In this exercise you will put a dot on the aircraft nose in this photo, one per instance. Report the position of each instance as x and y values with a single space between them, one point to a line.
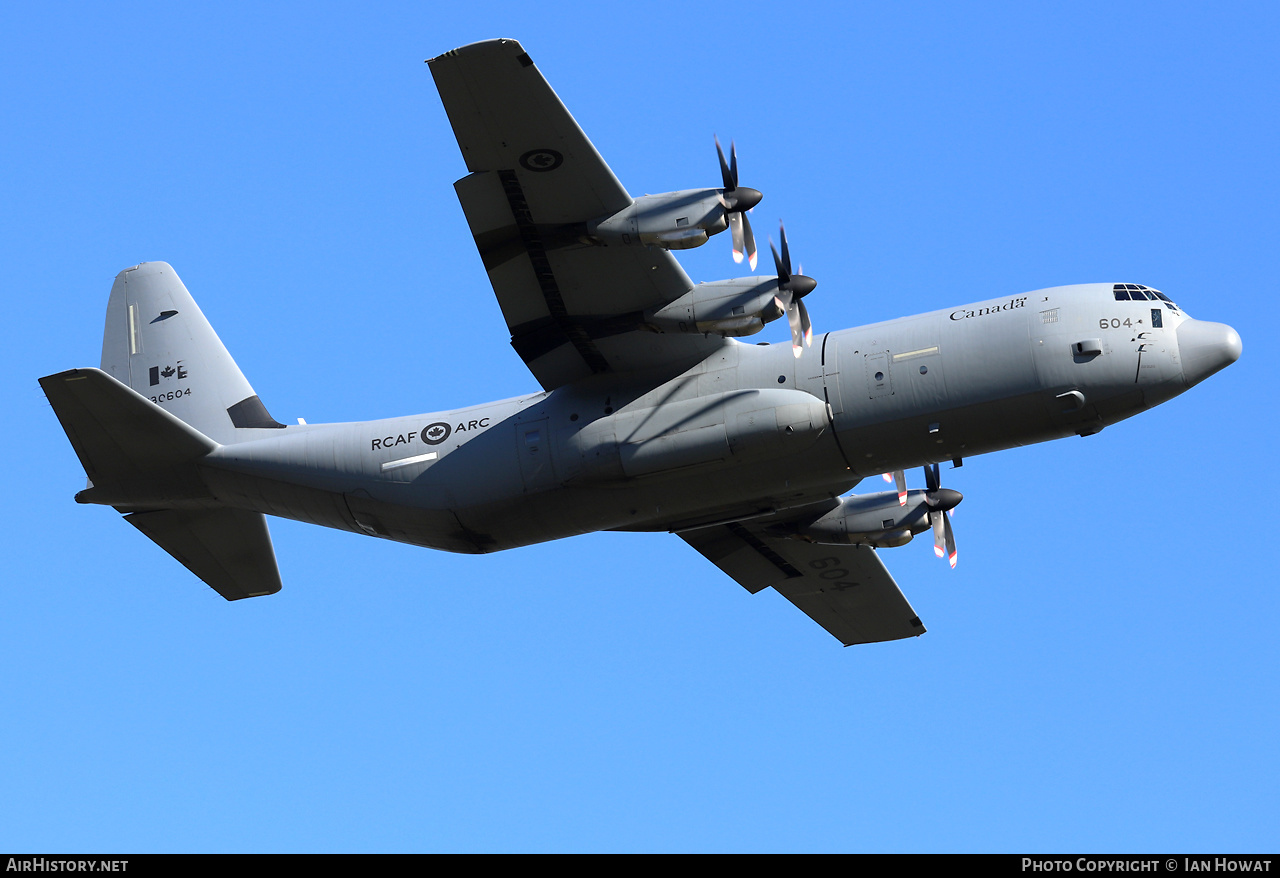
1206 348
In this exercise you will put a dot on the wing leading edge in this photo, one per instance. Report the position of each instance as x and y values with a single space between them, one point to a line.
845 589
574 307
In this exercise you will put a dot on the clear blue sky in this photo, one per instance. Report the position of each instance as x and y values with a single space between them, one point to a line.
1100 672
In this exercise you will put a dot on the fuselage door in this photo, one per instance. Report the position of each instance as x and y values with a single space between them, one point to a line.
878 380
831 375
533 446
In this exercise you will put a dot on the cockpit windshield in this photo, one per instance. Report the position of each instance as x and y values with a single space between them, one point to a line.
1139 293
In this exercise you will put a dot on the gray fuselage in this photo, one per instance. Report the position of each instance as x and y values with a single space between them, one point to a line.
747 432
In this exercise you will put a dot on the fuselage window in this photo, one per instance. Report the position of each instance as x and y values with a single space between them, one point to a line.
1157 318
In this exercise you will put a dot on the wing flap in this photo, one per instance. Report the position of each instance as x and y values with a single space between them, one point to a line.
845 589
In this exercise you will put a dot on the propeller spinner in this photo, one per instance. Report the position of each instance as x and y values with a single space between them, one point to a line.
737 200
791 289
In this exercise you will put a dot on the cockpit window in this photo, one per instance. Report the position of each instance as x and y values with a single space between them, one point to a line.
1139 293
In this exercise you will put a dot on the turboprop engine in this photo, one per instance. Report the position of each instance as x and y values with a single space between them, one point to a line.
880 519
742 306
671 220
737 307
685 219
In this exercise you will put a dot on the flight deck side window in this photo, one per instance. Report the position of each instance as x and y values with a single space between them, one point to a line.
1121 294
1157 318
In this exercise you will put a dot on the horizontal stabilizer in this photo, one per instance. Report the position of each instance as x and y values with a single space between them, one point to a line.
131 448
229 549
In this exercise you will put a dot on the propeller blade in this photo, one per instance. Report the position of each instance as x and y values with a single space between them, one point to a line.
941 501
730 180
887 477
931 480
901 478
736 222
797 326
750 240
951 540
784 275
790 289
736 201
786 254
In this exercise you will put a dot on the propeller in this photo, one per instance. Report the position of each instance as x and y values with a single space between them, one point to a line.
940 500
901 478
791 289
737 200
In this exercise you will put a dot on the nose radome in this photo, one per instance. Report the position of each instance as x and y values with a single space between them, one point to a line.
1206 348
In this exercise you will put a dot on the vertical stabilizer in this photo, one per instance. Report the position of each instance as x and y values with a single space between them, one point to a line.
159 343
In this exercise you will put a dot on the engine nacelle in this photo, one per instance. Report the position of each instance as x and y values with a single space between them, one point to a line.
875 519
735 426
737 307
672 220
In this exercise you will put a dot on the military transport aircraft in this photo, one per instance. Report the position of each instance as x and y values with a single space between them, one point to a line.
652 416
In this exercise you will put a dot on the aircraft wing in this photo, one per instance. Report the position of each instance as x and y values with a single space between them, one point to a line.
573 308
845 589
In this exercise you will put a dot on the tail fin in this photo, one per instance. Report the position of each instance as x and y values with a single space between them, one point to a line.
143 461
159 343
